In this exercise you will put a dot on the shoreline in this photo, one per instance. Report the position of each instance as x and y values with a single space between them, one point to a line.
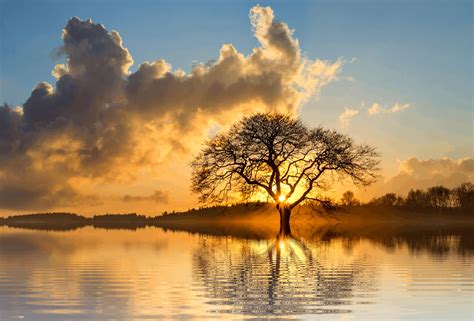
255 220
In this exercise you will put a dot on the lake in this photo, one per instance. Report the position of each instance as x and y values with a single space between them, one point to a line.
153 274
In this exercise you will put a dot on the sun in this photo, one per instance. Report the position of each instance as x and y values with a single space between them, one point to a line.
282 198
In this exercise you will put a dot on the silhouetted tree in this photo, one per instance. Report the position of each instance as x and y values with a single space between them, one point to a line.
463 196
278 155
438 196
416 199
389 199
348 199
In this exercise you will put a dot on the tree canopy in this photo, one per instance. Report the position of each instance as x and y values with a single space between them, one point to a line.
280 156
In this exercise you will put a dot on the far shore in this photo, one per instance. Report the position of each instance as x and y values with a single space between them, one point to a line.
254 220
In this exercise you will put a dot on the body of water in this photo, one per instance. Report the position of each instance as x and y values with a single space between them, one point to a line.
152 274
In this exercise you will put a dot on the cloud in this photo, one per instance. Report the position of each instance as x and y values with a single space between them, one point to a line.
157 197
416 173
376 108
347 115
443 171
100 123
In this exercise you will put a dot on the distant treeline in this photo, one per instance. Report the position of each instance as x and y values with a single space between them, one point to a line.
439 198
216 209
70 221
436 197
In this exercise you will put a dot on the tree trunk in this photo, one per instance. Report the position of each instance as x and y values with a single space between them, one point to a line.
285 213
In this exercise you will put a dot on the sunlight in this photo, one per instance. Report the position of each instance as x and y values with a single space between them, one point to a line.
281 244
236 173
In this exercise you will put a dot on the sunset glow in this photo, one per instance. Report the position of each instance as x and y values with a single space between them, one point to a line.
149 110
229 160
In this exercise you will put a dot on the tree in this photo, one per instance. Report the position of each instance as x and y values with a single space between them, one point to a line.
279 156
463 196
348 199
416 199
389 199
438 196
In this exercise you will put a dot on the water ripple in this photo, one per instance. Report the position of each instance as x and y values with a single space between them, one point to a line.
94 275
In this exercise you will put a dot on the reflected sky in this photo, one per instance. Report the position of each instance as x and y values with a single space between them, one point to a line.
96 274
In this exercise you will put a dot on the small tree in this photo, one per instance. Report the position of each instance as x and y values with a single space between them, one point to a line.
416 199
438 196
388 200
348 199
463 196
278 155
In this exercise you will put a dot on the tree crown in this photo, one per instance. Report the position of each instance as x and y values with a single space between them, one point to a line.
277 154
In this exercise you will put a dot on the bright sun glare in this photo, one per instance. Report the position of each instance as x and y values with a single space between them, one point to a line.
282 198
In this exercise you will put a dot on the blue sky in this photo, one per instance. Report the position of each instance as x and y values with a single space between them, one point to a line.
415 52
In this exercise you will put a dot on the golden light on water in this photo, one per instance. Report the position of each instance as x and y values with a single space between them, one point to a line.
143 273
281 244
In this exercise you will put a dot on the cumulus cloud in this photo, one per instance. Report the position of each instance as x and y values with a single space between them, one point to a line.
157 197
416 173
101 123
347 115
377 108
425 173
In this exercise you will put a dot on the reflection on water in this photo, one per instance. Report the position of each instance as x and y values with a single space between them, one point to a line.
331 274
283 277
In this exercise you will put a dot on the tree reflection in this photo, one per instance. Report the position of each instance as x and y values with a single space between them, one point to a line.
283 276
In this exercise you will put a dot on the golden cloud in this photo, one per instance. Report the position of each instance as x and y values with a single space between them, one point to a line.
102 123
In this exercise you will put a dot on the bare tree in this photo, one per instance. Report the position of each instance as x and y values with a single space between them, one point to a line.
278 155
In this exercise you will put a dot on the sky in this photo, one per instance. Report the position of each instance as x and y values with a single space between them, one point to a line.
393 74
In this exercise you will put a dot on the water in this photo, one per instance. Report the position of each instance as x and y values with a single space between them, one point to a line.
150 274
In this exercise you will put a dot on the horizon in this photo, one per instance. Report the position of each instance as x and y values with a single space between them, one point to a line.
429 200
